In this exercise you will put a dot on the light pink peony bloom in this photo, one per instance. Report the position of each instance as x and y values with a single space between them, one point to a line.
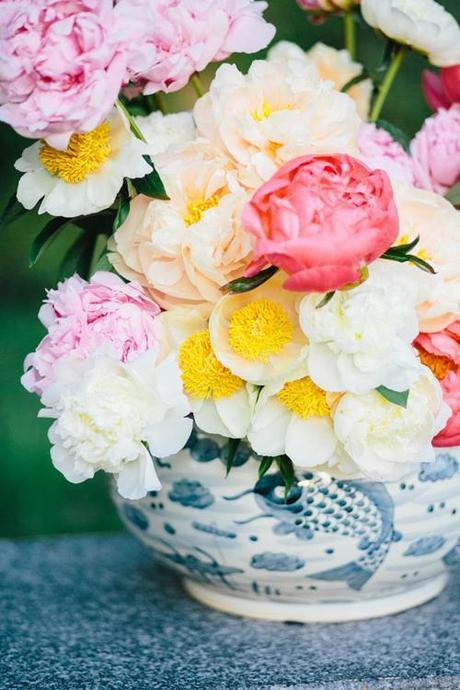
436 151
442 90
60 66
441 352
82 316
380 151
171 39
322 219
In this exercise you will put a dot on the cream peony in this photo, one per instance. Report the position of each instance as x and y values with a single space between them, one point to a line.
221 402
332 65
424 25
362 338
164 131
85 178
256 335
273 114
384 440
185 249
437 222
111 415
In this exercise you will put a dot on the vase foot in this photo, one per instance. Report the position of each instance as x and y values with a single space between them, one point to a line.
333 612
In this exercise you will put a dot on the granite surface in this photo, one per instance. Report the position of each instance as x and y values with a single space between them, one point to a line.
95 613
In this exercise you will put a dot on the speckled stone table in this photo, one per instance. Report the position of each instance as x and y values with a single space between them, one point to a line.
95 613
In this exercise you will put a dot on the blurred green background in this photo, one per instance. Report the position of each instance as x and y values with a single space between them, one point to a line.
34 498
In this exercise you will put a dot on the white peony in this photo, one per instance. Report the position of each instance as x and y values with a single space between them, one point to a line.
331 64
164 131
421 24
362 338
85 178
273 114
385 440
110 416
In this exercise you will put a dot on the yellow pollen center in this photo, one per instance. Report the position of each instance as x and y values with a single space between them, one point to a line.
304 398
262 111
440 366
203 375
259 330
84 155
197 208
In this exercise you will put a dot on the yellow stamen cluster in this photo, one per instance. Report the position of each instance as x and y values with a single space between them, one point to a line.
259 330
203 375
304 398
84 155
197 208
440 366
262 111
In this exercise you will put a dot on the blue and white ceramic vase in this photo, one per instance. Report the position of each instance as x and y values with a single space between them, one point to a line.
338 550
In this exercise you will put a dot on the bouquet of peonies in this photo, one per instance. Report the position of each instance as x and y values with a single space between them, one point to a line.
278 265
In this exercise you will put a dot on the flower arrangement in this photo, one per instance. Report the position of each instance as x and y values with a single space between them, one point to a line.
280 265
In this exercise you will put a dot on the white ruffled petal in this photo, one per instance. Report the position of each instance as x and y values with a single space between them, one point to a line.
311 441
138 477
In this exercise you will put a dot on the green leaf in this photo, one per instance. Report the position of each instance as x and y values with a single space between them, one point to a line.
44 237
356 80
247 284
100 223
230 453
103 264
12 211
403 248
79 257
453 195
409 258
264 466
396 397
397 134
122 213
286 469
326 299
151 184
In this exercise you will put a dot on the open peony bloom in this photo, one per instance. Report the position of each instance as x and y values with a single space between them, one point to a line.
82 316
442 90
61 67
424 25
112 416
436 151
169 40
441 353
380 151
322 219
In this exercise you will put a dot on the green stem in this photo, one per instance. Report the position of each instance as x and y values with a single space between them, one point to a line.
387 83
161 102
350 33
198 85
132 122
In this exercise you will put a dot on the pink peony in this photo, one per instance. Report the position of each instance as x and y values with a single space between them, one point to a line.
436 151
171 39
379 150
82 316
441 352
60 66
322 219
442 90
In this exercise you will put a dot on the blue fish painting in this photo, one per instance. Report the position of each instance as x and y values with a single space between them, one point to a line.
360 509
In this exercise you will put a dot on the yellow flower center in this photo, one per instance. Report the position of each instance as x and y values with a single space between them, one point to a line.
260 329
304 398
84 155
262 111
197 208
203 375
440 366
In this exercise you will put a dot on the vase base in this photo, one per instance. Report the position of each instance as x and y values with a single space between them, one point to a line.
333 612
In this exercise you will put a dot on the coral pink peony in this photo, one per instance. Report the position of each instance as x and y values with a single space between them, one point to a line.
82 316
442 90
322 219
441 352
171 39
379 150
61 68
436 151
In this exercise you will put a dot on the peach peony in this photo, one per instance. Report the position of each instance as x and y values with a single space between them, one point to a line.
185 249
322 219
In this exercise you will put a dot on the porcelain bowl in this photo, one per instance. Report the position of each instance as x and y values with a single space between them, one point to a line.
337 550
